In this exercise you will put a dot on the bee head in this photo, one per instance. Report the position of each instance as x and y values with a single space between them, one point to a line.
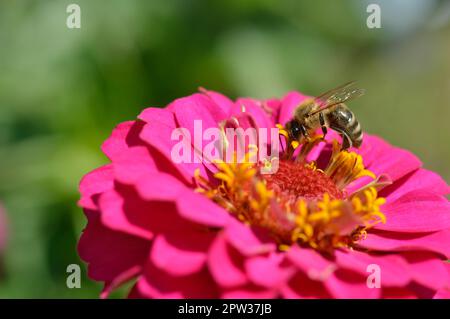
294 129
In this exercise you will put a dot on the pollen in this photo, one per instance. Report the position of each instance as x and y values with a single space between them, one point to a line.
300 203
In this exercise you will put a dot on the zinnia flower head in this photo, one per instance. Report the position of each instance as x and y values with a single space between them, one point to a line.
315 228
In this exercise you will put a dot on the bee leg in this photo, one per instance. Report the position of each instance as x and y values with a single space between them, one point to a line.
346 142
305 133
322 125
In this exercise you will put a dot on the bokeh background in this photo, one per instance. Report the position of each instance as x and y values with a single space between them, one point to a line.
62 91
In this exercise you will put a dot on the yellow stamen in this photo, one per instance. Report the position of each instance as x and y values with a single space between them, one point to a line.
317 224
282 130
345 167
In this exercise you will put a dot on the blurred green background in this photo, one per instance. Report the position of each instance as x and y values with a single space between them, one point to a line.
63 90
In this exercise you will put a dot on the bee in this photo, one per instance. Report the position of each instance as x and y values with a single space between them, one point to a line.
328 111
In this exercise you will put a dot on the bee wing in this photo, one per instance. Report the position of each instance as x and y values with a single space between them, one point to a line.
341 94
326 95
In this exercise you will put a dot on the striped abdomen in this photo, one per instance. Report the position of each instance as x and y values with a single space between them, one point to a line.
342 120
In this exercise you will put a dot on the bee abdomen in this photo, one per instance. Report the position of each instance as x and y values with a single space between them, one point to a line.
357 135
354 131
345 121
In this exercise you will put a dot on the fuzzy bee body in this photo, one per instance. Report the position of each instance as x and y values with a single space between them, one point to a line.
328 111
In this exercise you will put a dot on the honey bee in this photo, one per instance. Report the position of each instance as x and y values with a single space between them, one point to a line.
328 111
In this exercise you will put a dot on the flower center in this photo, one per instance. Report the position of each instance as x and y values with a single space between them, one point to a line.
300 203
297 181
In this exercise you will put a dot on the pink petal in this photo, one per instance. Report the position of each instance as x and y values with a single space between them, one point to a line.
393 241
117 216
180 258
157 186
394 269
160 186
157 132
420 179
416 212
197 107
199 209
124 135
339 282
288 105
311 262
303 287
273 108
319 151
225 264
125 210
372 148
254 108
398 293
156 283
248 241
427 269
132 164
244 131
222 102
268 271
444 293
109 253
249 292
394 162
94 183
358 184
346 284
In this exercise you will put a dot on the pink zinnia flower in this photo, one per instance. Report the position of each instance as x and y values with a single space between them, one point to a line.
311 230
